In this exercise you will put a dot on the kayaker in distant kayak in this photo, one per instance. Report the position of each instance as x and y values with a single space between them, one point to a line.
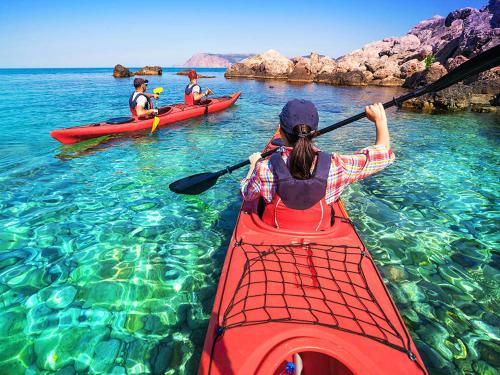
193 93
299 182
140 101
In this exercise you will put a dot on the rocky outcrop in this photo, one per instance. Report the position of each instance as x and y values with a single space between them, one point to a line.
122 72
480 94
149 71
430 50
270 64
214 60
307 68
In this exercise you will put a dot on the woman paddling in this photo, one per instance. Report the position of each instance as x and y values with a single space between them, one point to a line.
299 182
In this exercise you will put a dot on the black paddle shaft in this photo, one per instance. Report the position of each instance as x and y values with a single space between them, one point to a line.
476 65
484 61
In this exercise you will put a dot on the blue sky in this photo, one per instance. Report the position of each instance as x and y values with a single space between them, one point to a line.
100 33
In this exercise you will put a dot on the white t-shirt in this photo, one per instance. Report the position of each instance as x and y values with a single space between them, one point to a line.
141 100
196 88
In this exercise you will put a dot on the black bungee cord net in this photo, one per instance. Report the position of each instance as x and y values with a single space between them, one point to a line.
308 284
313 284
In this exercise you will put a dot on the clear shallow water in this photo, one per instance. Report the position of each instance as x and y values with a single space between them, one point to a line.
104 270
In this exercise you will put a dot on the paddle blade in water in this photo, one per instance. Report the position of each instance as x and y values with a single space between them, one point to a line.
156 121
158 90
195 184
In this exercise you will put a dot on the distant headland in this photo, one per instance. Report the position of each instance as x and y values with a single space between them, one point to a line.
215 60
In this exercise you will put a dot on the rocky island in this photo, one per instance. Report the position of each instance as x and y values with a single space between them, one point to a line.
122 72
429 50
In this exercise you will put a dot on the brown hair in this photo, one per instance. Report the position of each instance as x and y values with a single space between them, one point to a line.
303 153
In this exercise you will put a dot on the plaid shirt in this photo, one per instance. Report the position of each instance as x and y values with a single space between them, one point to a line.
344 170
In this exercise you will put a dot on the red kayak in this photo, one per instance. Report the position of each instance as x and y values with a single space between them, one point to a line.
288 299
120 125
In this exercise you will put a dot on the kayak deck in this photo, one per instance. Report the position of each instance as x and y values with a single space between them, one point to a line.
167 115
317 294
284 292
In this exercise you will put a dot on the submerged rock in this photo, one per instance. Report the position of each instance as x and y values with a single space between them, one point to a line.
62 297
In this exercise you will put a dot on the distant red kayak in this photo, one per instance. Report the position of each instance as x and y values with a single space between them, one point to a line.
289 298
167 115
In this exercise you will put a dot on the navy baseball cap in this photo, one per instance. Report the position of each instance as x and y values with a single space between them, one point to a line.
298 112
140 81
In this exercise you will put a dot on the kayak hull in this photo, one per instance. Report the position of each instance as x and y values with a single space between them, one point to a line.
168 115
318 295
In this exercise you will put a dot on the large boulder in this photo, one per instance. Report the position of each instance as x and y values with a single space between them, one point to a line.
382 73
454 62
302 71
306 68
388 68
478 35
350 62
121 72
149 71
270 64
454 98
328 65
426 76
486 83
411 67
408 43
421 53
459 14
340 78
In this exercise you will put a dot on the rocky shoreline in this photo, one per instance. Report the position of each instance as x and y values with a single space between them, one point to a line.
428 51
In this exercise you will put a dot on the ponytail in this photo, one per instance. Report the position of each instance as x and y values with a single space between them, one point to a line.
303 153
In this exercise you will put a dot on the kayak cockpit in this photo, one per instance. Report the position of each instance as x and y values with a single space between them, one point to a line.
164 110
311 362
340 224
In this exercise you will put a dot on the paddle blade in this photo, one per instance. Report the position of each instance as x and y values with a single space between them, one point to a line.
158 90
156 121
195 184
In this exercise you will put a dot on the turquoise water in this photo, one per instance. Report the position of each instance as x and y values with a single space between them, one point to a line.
104 270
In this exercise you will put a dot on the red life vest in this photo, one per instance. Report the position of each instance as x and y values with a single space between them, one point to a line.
299 204
188 95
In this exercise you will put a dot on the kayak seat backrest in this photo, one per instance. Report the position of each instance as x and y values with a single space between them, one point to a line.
119 120
262 205
206 102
